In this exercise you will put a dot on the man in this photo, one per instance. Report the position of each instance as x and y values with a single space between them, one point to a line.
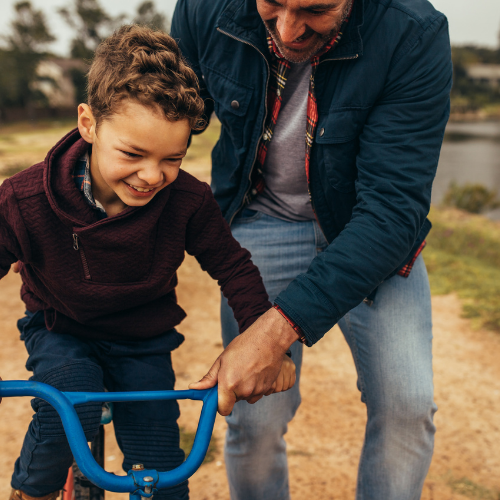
332 116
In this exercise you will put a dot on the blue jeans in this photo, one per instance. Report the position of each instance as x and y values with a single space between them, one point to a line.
146 432
391 343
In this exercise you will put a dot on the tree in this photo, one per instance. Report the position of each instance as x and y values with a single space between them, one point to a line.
26 46
148 15
92 25
29 29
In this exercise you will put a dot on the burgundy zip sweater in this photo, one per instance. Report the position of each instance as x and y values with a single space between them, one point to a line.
115 278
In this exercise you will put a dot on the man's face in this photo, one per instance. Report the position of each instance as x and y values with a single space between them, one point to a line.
301 28
136 152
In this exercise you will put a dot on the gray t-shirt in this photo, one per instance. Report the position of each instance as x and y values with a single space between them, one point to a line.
285 195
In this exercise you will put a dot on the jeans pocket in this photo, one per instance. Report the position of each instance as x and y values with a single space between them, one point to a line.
247 215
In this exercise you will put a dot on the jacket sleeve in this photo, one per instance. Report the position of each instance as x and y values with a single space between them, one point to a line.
10 225
209 239
397 159
183 30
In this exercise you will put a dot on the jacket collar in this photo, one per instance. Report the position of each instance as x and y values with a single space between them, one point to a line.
241 20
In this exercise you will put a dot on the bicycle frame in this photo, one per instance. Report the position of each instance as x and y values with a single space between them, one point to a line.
139 483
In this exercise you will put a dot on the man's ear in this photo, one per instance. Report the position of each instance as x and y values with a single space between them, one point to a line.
86 123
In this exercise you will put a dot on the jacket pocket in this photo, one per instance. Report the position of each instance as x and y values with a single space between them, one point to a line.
232 102
337 140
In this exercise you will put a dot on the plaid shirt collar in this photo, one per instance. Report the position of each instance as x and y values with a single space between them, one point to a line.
83 180
280 70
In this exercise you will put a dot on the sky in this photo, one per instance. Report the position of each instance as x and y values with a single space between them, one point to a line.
471 21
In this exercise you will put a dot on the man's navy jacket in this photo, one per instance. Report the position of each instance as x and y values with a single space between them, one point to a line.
383 103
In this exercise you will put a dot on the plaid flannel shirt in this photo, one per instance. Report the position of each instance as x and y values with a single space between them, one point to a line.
83 180
280 70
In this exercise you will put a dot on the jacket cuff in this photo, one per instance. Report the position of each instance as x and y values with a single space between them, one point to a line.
302 338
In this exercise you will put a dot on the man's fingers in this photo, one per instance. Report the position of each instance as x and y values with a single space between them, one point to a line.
227 399
271 389
254 399
16 267
209 380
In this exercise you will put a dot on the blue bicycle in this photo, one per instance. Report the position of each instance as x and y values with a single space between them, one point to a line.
140 483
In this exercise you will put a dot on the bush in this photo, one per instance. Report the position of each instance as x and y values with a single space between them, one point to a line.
462 257
473 198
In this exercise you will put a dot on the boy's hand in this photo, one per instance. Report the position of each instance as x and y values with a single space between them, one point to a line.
250 364
286 377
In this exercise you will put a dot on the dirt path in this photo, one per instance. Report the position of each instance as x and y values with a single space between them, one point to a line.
323 460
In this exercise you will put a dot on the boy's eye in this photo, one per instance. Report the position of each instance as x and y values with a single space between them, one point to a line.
131 155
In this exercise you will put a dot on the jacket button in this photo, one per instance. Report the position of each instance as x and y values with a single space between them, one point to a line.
322 132
235 104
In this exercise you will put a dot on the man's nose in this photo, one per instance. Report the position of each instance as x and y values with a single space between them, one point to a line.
289 27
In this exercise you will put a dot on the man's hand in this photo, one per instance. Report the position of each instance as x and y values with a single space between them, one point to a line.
16 267
251 363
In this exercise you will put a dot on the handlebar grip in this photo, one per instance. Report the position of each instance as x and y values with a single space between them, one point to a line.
64 403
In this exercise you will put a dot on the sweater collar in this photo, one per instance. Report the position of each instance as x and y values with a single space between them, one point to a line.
64 196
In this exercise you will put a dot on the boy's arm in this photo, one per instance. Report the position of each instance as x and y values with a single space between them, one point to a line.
257 353
10 222
210 240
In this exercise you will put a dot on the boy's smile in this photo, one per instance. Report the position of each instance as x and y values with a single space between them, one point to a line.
136 152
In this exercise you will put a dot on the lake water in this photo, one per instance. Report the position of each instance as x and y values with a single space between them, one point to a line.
470 153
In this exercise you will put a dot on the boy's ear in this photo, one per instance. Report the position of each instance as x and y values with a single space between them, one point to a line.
86 123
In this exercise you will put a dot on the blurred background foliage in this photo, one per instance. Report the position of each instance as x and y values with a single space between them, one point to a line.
27 41
468 95
24 47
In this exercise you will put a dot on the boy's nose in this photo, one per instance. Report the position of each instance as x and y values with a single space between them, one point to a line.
151 175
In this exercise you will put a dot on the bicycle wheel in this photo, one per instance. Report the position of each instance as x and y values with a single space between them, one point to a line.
82 488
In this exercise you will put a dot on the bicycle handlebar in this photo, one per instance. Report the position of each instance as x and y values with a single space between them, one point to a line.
64 403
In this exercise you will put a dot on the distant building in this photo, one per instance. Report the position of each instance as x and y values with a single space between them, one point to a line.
56 82
485 74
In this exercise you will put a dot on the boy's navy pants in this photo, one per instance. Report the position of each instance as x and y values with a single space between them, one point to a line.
146 431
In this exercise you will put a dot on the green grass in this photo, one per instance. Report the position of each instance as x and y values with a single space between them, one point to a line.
463 257
187 440
469 489
13 168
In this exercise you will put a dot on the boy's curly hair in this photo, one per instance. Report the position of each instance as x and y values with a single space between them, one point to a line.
146 65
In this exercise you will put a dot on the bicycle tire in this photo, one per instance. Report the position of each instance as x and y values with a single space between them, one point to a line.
83 489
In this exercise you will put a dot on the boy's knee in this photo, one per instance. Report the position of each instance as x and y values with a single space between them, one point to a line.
50 424
74 377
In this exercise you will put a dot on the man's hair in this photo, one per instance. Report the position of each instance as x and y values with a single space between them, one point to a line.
140 63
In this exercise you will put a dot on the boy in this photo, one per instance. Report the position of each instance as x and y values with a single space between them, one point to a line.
100 228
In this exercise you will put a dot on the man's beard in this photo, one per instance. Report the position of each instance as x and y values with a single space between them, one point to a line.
297 56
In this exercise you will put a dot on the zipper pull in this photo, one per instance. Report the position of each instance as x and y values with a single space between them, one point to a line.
76 246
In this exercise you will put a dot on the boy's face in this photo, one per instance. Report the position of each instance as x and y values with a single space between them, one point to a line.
135 154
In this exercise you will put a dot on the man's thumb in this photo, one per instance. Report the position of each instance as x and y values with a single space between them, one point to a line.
209 380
